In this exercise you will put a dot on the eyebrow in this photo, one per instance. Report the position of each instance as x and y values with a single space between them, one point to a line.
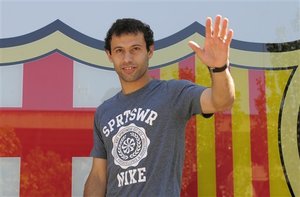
135 45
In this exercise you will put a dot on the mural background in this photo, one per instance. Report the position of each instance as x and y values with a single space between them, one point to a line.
53 73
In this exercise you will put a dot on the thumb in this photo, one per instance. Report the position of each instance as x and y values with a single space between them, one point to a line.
196 48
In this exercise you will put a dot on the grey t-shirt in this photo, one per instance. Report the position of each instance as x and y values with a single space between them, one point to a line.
142 137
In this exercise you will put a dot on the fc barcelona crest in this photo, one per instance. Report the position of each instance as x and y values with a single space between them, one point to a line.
53 79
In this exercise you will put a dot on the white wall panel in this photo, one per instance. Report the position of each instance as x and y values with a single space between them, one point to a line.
93 85
9 176
81 167
11 85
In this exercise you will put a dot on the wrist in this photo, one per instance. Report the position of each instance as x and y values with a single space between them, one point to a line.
218 69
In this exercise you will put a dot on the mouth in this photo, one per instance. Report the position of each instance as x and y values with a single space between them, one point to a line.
129 69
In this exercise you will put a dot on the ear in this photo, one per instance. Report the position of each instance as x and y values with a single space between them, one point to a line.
151 51
108 55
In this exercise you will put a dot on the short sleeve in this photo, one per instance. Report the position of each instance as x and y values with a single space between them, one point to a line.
185 97
98 149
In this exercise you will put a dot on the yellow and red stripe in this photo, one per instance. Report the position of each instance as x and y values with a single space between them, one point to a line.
234 149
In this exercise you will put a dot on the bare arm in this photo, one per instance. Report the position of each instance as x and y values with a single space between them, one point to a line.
215 54
96 181
221 95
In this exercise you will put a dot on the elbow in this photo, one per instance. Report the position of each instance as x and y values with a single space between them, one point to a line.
230 103
227 104
231 100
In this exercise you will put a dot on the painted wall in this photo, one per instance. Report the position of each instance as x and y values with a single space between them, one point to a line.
54 72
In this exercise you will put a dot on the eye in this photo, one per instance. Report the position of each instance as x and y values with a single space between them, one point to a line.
136 49
118 50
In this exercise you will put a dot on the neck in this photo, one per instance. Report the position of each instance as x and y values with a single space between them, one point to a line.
130 87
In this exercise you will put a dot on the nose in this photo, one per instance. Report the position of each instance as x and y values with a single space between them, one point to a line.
127 57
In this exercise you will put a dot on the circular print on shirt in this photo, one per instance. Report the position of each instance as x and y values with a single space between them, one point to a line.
130 146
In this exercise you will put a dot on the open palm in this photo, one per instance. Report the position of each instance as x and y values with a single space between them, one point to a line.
215 52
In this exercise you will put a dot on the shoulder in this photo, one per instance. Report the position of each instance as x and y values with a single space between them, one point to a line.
107 104
179 84
169 85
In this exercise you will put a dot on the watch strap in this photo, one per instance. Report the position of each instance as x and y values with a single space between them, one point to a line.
219 69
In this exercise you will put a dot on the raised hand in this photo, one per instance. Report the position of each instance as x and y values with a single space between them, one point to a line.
215 52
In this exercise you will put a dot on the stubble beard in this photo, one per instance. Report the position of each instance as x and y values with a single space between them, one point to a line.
138 74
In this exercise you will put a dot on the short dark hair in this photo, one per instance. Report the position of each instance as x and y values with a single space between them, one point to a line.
129 26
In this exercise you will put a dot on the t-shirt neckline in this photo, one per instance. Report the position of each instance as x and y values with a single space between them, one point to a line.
137 92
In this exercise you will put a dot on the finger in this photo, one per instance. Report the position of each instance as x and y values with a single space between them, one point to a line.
229 37
217 26
224 28
196 48
208 27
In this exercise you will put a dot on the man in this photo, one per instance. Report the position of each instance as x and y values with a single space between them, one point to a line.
139 133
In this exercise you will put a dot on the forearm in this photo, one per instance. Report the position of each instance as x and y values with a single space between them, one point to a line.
223 90
94 187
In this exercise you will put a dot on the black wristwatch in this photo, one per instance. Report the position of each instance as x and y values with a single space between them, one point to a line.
219 69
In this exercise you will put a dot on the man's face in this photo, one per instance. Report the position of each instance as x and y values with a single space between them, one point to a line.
130 56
